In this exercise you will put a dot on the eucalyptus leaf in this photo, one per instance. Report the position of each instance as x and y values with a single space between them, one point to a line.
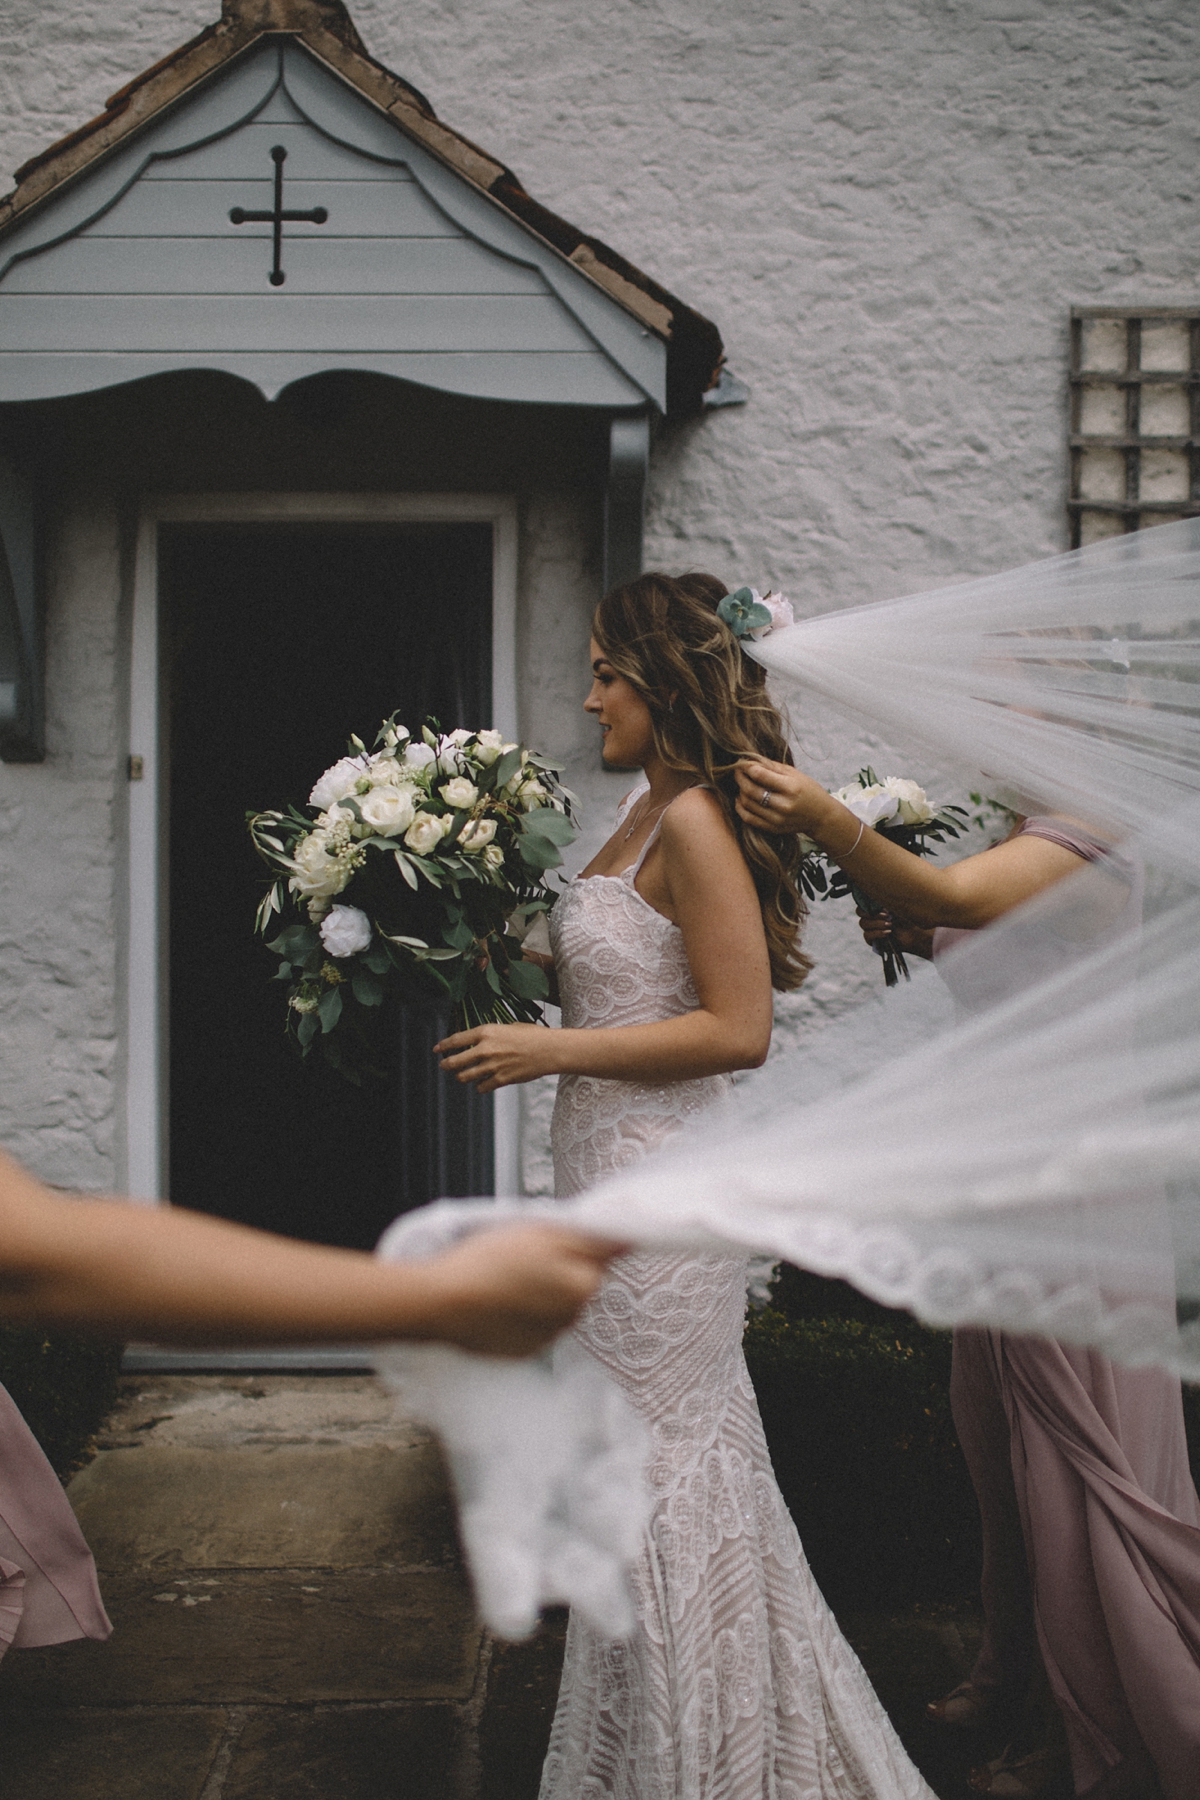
459 934
548 822
406 869
492 977
527 980
367 991
306 1030
296 942
538 852
507 767
329 1009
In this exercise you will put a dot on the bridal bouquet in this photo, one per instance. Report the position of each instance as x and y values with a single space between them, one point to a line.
415 871
898 809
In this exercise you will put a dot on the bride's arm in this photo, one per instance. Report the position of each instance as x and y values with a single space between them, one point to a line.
709 894
970 893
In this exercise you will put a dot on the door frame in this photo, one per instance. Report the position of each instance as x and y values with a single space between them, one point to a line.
147 997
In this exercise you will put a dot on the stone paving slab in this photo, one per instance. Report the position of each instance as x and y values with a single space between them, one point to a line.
398 1753
265 1506
162 1753
296 1635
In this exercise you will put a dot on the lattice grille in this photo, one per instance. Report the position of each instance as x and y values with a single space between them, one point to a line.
1135 418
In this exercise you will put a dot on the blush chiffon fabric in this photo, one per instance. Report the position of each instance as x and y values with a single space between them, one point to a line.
48 1588
1091 1534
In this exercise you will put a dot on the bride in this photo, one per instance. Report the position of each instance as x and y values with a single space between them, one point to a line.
736 1683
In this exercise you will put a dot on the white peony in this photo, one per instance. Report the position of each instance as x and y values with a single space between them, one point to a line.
318 875
345 930
493 857
913 800
477 834
459 793
427 831
781 611
337 782
389 810
418 756
873 805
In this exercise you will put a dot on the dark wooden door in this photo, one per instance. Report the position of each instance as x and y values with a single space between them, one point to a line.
280 641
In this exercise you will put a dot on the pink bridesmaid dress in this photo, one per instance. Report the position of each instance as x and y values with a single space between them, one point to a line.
1091 1526
48 1588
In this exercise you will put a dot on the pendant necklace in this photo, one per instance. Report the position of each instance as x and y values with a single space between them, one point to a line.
642 817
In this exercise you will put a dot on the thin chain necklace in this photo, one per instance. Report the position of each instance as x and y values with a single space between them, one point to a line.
643 816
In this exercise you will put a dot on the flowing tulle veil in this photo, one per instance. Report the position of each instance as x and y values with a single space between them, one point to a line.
1035 1165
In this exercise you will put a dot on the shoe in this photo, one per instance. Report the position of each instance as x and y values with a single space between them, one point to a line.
1022 1776
964 1707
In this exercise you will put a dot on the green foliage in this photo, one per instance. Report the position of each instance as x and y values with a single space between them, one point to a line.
855 1403
444 925
64 1386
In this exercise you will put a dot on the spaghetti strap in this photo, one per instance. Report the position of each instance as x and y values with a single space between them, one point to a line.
634 869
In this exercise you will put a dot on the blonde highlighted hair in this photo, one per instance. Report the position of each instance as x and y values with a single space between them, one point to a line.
710 708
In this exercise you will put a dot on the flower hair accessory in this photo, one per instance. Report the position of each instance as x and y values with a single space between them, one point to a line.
751 614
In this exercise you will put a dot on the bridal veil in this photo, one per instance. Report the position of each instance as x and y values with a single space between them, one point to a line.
1033 1164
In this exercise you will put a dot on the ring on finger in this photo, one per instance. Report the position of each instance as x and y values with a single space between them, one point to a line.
766 797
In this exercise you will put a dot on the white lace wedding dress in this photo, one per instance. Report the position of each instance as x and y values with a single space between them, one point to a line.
737 1683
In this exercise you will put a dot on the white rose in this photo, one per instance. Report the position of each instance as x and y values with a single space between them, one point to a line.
873 805
345 930
477 834
781 611
489 748
384 771
389 810
459 793
318 875
418 756
426 832
337 782
530 794
493 857
913 800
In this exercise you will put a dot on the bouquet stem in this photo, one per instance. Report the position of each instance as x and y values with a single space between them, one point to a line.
887 949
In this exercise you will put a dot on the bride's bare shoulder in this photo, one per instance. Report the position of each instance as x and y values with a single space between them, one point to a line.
697 816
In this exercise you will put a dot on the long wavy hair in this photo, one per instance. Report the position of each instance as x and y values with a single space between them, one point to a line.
710 708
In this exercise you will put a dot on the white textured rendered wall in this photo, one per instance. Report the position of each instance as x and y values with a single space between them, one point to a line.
888 206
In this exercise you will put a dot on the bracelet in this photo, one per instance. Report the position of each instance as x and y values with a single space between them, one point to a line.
854 846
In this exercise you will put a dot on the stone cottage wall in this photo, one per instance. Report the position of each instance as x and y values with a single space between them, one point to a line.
888 206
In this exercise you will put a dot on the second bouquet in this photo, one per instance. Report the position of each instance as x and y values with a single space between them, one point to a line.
414 873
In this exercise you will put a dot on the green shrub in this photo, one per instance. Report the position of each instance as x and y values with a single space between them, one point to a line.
855 1404
63 1385
855 1401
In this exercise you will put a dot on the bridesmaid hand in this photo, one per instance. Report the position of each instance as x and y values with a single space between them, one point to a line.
496 1056
914 940
773 796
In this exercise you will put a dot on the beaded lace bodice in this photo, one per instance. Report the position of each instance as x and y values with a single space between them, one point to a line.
736 1683
618 962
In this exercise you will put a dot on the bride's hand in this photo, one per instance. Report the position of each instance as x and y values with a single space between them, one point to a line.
496 1056
773 796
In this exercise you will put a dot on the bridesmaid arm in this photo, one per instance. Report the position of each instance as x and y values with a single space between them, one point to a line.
967 894
123 1270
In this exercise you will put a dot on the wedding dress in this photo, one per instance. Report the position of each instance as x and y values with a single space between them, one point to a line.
736 1683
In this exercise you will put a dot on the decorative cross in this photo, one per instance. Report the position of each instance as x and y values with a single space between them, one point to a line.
276 217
